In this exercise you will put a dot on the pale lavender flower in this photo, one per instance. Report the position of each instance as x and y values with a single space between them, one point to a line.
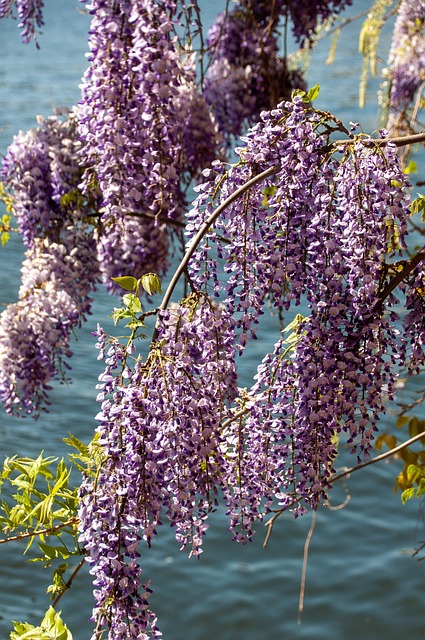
40 168
246 73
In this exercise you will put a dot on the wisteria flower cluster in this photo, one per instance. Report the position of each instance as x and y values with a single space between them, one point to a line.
308 15
246 73
29 13
405 73
130 147
319 230
54 298
313 222
40 168
160 431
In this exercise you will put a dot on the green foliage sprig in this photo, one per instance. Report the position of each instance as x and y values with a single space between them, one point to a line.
40 503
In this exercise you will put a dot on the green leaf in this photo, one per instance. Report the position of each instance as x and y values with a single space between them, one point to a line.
132 302
298 92
119 314
407 494
21 628
294 326
418 206
412 167
129 283
308 96
54 626
267 192
312 93
151 283
414 473
385 438
421 488
401 421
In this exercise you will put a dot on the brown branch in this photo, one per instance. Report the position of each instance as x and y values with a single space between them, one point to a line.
388 454
153 217
407 269
45 532
399 141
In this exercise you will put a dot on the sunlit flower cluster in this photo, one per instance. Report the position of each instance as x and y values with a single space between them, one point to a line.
176 431
130 149
160 430
315 222
319 231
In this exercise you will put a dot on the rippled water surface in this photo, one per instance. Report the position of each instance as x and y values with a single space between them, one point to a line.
362 582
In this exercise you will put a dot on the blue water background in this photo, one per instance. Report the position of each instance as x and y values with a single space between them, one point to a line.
361 582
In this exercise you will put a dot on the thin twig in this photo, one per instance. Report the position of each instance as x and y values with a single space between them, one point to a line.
399 141
402 275
387 454
40 532
67 585
305 561
207 224
154 217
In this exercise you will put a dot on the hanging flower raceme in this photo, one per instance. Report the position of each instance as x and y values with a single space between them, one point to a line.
131 131
54 298
246 73
41 171
319 229
161 437
201 141
405 73
414 320
29 13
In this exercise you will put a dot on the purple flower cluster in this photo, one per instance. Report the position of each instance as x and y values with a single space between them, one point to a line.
319 230
405 73
30 15
40 168
160 433
201 141
307 15
54 298
246 73
42 172
129 126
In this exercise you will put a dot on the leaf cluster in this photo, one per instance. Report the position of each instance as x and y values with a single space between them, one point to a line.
411 479
39 502
418 206
5 220
51 628
132 306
